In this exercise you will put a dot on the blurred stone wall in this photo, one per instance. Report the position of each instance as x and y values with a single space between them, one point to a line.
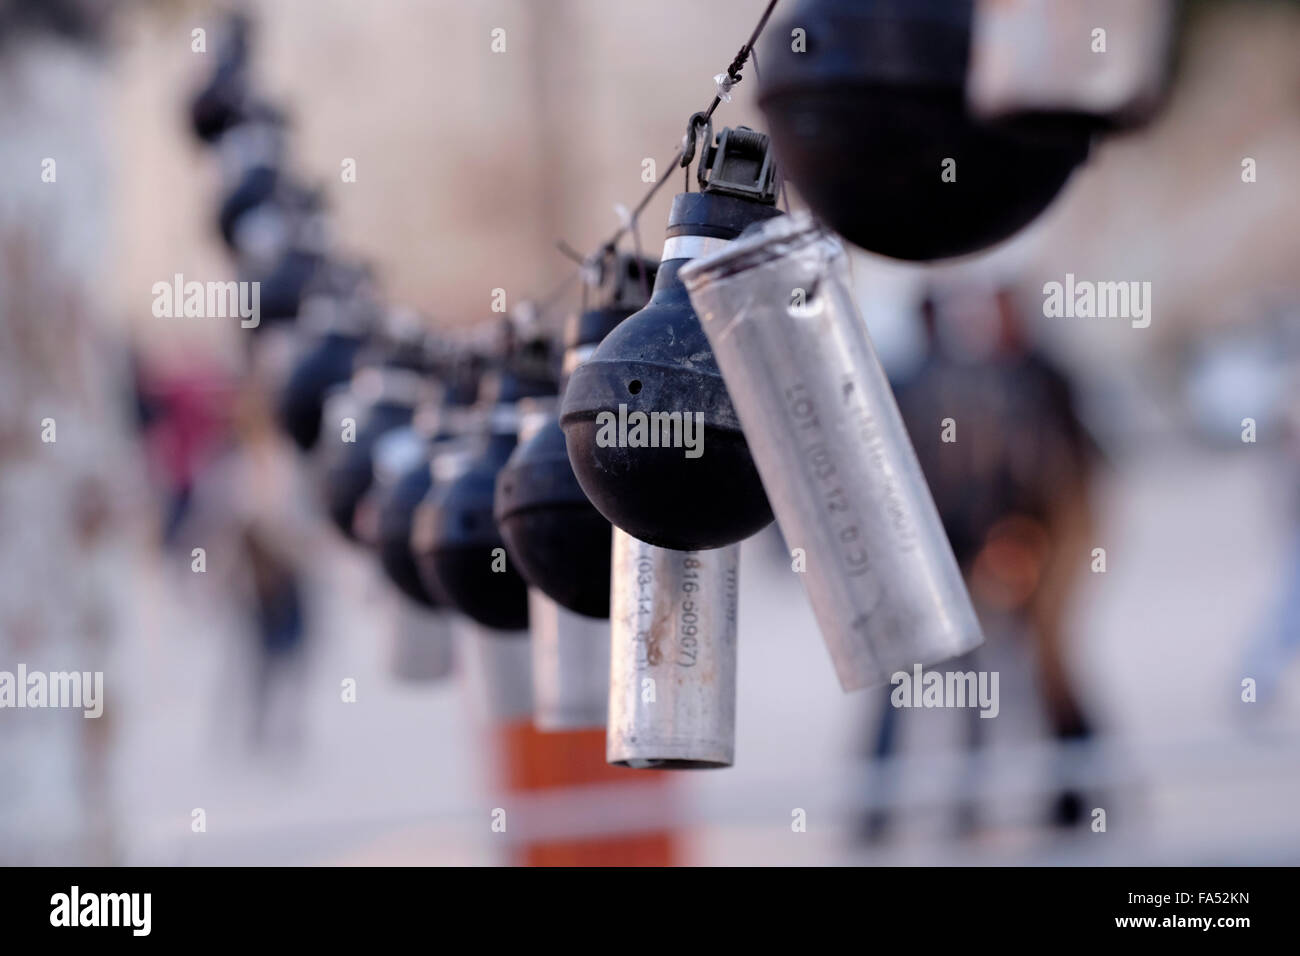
472 163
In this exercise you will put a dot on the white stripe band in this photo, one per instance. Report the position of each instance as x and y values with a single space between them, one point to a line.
693 247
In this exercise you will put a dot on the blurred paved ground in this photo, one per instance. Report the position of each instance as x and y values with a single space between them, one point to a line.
402 775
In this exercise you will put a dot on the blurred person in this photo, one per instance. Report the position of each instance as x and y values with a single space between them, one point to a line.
1012 491
182 418
279 625
253 515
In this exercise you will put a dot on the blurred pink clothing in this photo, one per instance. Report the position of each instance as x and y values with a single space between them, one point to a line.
193 412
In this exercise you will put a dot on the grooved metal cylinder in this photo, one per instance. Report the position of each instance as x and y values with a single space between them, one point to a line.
672 676
834 456
570 666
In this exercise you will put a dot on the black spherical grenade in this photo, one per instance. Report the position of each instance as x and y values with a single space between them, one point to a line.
398 503
867 107
387 395
560 542
252 163
393 537
459 551
327 364
338 319
651 431
218 105
285 284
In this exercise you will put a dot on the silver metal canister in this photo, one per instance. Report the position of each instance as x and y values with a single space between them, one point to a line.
500 670
835 459
570 666
672 676
423 644
1104 59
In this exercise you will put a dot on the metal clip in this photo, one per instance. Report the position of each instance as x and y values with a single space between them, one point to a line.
688 141
739 164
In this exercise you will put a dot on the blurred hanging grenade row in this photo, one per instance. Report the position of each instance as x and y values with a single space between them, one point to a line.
658 364
560 542
570 652
335 322
391 381
439 430
217 106
922 129
459 550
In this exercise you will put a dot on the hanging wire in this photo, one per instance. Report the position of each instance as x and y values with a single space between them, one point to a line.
737 64
780 173
684 154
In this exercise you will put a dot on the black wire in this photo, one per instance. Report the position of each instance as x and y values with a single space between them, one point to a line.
734 76
737 64
569 251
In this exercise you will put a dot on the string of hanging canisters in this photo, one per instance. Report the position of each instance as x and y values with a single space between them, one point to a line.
799 420
753 340
609 507
585 511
